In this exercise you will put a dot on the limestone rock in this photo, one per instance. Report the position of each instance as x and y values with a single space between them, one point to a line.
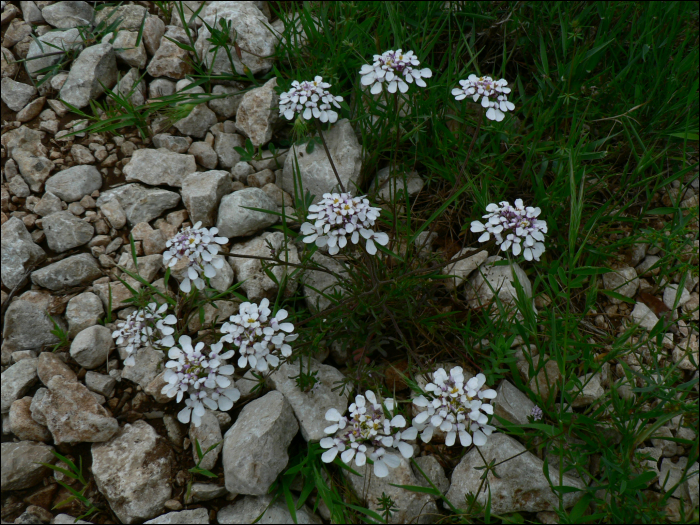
77 270
511 404
224 145
310 407
235 220
255 447
384 184
256 283
21 464
170 60
27 325
16 380
208 433
65 40
198 122
114 213
643 316
147 365
315 170
492 282
140 203
50 365
73 414
202 193
126 49
83 310
19 253
521 485
431 468
159 166
132 471
34 168
320 287
22 424
65 231
623 281
462 269
92 346
249 508
258 113
69 14
184 516
16 95
94 70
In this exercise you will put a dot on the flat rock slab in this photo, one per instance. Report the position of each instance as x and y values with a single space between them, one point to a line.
27 325
16 380
140 203
310 407
249 508
19 253
77 270
94 70
255 447
184 516
132 471
237 220
159 166
521 485
65 231
74 183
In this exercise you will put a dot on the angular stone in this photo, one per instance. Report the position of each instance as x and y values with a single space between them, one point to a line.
250 28
69 14
643 316
146 367
670 293
83 310
50 365
159 166
221 282
68 40
206 492
16 381
261 178
315 170
92 346
22 424
384 185
35 169
10 67
219 314
258 113
65 231
226 107
153 30
281 198
546 380
493 282
255 447
31 110
73 414
320 286
94 70
310 407
208 433
120 294
248 509
19 253
623 281
114 213
74 183
170 60
590 391
431 468
224 144
172 142
204 154
521 485
16 95
77 270
21 464
132 86
413 507
202 193
140 203
255 281
200 515
511 404
235 220
48 204
132 471
462 269
27 326
198 122
126 49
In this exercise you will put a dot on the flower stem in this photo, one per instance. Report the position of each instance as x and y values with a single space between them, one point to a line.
328 154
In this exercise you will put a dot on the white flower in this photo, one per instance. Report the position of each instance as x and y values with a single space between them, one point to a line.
260 338
199 246
457 408
367 432
142 327
310 99
492 92
397 69
515 227
203 374
339 216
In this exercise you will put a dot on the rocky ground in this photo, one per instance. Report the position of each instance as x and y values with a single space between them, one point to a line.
72 202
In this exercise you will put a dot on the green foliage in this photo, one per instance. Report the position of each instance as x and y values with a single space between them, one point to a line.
197 469
76 473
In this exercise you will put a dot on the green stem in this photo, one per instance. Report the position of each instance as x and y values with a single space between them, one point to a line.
328 154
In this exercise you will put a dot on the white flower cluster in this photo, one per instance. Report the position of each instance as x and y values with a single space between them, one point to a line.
260 338
142 327
514 226
310 99
368 432
339 215
455 407
492 92
199 245
204 375
397 69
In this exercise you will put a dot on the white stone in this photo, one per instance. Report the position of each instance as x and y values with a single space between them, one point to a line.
235 220
159 166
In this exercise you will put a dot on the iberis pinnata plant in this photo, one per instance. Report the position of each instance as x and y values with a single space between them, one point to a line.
397 69
368 431
492 92
142 327
338 216
515 227
310 99
260 338
201 373
455 407
199 245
